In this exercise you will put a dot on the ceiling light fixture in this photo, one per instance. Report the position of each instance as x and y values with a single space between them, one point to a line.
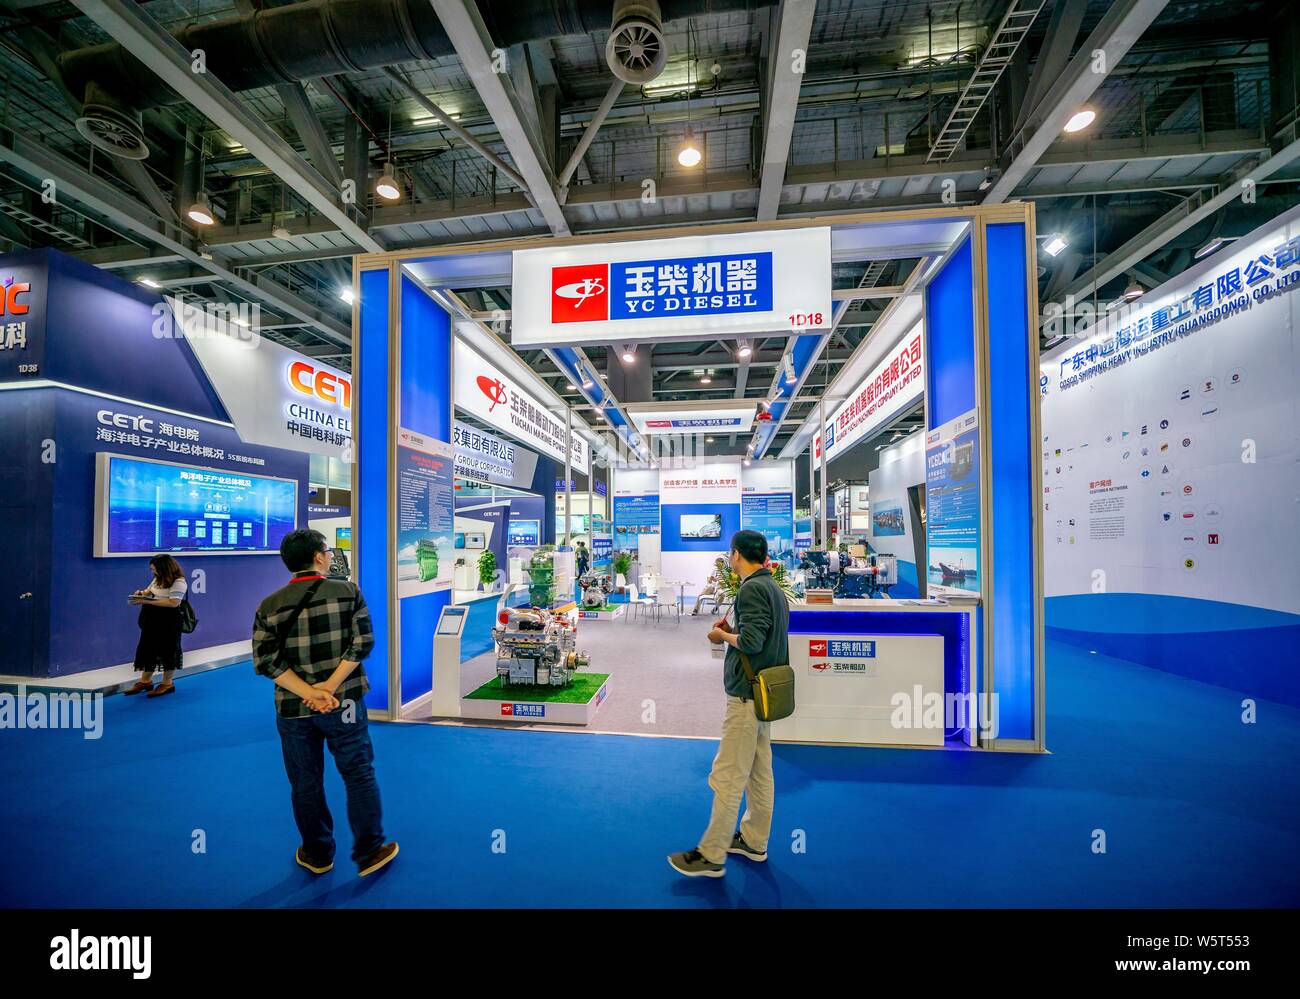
200 213
706 378
1134 290
346 294
629 353
1211 246
149 282
386 186
745 349
689 155
1080 120
280 232
586 380
570 387
787 362
1055 244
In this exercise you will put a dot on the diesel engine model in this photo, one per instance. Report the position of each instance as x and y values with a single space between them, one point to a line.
536 648
594 591
864 577
541 580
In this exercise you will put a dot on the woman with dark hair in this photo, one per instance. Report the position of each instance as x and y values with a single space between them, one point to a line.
160 626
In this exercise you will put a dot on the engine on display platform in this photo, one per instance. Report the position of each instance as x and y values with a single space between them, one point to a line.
536 648
594 591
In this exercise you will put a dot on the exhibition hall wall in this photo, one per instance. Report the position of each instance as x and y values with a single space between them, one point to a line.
93 364
893 532
1170 473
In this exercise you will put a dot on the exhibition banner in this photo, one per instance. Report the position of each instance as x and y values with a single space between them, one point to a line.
772 515
425 514
635 515
681 288
722 416
901 469
484 457
893 386
484 391
952 489
1171 460
274 395
705 483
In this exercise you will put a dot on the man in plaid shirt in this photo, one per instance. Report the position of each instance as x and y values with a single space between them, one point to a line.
310 637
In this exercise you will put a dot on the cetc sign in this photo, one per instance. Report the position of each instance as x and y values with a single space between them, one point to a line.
726 285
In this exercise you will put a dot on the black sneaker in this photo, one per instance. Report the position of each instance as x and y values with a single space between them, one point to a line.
692 864
743 849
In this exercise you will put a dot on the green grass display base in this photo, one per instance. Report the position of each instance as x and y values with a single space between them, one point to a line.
603 610
580 691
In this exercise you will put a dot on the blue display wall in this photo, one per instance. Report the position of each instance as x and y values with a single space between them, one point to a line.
100 374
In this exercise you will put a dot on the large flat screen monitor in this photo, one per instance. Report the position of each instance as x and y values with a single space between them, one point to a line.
147 507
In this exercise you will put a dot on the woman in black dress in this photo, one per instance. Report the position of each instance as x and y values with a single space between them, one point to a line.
160 626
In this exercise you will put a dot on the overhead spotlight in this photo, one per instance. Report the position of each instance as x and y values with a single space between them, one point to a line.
986 181
346 294
708 440
706 378
586 380
149 282
204 252
745 349
280 232
1080 120
689 154
386 186
1134 290
1210 247
200 213
570 387
1055 244
787 362
629 353
747 462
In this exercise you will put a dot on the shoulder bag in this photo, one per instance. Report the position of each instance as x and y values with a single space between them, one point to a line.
772 687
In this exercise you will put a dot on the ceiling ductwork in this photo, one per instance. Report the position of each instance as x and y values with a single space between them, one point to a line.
317 38
637 51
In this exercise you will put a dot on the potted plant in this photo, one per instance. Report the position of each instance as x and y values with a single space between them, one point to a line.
729 581
622 565
487 568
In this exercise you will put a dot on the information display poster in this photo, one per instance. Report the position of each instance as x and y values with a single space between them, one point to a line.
635 515
772 515
425 514
952 484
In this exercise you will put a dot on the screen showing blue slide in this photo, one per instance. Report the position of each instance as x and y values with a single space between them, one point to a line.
698 527
145 507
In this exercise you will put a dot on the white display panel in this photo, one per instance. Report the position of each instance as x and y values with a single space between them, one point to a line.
274 395
485 391
893 386
682 288
1171 439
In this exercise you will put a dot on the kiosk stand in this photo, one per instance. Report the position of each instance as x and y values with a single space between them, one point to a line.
446 662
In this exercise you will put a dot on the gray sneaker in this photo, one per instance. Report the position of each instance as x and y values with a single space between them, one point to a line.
743 849
692 864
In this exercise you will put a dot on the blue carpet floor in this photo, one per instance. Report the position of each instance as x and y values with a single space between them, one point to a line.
1198 809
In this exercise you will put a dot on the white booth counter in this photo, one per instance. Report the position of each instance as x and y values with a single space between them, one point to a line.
882 672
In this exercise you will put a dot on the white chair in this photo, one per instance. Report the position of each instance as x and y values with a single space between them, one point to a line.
671 594
635 601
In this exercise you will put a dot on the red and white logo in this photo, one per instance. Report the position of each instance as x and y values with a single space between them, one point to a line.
659 424
494 389
820 667
507 710
580 294
816 646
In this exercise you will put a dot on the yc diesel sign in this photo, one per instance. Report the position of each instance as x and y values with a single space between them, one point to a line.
726 285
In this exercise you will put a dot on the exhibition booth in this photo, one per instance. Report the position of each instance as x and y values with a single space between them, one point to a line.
961 666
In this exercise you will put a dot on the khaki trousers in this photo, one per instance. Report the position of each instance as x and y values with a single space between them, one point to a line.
743 767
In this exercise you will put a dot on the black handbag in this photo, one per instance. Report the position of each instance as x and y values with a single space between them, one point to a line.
189 620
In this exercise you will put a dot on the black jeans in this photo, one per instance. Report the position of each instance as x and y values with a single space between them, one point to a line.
302 740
